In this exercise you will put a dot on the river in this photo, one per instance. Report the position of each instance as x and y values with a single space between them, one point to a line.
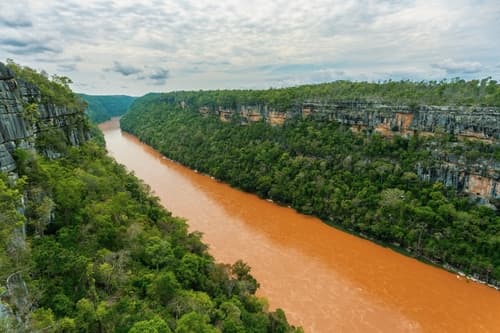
326 280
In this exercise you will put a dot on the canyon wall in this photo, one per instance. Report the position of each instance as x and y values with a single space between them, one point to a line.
23 117
479 178
482 123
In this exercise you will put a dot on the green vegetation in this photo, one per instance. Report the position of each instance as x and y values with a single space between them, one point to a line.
102 108
485 92
55 90
365 184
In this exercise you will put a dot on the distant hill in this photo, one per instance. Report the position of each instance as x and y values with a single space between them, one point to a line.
102 108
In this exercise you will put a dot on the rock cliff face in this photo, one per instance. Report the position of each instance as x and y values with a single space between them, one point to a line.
480 179
23 117
482 123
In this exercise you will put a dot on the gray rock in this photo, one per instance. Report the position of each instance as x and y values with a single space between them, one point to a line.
5 72
18 132
481 123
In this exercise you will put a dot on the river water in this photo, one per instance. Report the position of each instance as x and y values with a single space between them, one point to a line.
326 280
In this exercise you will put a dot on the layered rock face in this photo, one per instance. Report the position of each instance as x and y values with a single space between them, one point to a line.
481 123
469 122
23 116
479 178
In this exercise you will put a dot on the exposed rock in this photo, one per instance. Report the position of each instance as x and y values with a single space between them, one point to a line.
6 315
23 117
5 73
471 122
477 123
18 130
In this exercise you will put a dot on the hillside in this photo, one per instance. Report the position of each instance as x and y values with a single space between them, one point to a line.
385 187
85 247
103 107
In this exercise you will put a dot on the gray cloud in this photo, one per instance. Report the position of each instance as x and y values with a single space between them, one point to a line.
18 22
458 67
66 67
232 44
156 75
59 60
30 46
159 75
123 69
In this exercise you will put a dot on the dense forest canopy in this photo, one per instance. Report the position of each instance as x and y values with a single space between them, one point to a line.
485 92
102 108
365 184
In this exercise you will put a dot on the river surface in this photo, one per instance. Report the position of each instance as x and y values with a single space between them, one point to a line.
326 280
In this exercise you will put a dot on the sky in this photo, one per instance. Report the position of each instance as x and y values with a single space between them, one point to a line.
136 47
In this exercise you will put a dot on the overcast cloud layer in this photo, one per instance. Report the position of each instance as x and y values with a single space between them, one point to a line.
134 47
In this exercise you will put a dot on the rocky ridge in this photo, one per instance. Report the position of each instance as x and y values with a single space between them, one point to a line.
23 117
482 123
480 178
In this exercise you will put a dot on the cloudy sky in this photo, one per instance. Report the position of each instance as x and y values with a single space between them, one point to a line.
134 47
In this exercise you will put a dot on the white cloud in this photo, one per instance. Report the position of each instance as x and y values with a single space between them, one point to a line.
188 44
459 67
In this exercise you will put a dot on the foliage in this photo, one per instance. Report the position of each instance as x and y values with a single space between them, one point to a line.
485 92
365 184
102 108
104 256
30 112
12 252
54 90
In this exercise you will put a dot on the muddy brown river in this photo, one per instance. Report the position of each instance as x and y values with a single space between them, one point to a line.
326 280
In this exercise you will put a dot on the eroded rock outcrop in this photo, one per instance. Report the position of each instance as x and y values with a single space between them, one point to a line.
23 116
465 122
468 122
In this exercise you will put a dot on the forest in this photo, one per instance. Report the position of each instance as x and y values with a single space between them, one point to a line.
454 92
363 184
103 107
85 247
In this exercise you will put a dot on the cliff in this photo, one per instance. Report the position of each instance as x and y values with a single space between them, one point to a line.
478 177
47 124
24 118
482 123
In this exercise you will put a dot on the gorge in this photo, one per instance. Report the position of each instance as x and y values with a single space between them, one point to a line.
70 214
326 280
291 166
85 247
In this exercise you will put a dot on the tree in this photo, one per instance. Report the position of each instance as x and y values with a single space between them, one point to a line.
158 252
194 322
155 325
164 287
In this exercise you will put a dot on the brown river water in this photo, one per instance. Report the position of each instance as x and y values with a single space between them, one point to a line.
326 280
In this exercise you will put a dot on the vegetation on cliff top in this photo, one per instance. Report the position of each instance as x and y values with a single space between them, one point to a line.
54 90
365 184
458 92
